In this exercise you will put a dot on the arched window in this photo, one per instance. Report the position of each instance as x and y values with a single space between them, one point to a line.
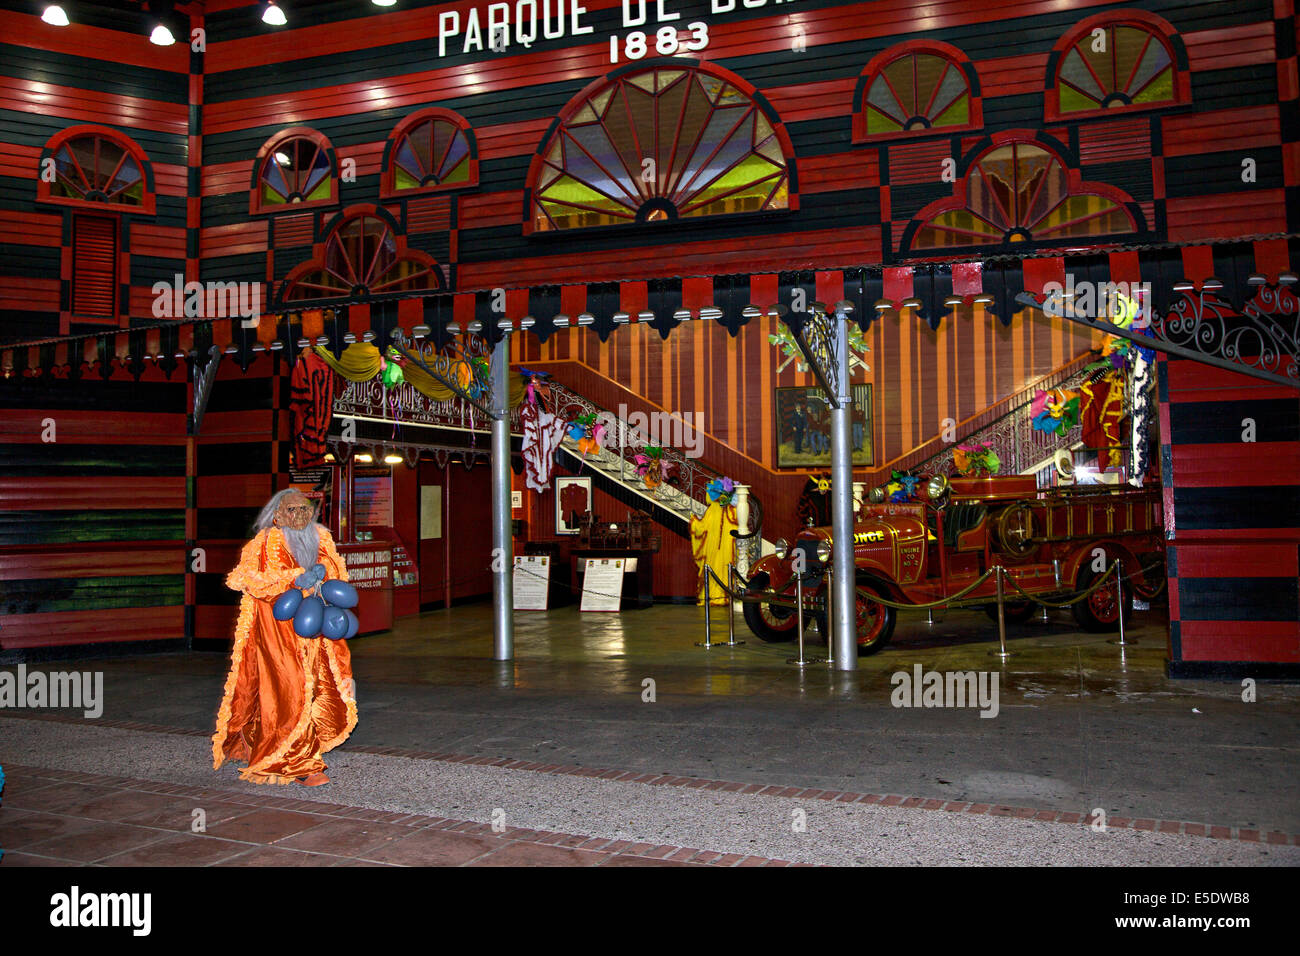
431 150
1020 190
661 142
363 255
295 168
916 87
1126 59
94 166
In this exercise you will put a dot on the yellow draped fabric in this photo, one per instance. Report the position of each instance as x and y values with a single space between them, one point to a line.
713 546
360 363
287 700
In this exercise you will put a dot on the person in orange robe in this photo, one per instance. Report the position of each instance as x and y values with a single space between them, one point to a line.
288 699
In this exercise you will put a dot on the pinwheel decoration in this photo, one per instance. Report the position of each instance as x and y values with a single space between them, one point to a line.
902 487
650 466
976 458
587 432
720 490
1055 412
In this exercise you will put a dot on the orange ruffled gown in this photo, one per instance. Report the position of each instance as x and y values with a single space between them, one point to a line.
288 700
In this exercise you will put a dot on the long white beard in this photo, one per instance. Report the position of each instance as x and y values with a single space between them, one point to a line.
303 544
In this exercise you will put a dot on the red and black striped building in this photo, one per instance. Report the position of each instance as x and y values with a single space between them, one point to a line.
926 162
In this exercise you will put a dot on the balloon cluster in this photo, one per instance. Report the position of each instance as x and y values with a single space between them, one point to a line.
326 611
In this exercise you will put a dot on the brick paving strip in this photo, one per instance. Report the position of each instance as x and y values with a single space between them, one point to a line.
1175 827
66 818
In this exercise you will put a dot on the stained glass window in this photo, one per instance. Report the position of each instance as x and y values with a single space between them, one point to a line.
362 256
296 170
434 151
660 144
1115 66
95 168
917 91
1018 192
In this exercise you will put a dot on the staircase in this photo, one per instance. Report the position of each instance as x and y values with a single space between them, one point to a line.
1024 450
673 501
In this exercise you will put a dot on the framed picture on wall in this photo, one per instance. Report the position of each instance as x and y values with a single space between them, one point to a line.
572 501
803 428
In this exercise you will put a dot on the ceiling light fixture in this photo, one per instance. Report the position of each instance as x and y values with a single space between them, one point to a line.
160 14
383 3
272 14
54 15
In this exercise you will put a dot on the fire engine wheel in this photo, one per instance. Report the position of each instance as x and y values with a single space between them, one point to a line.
1153 580
874 623
772 623
1015 612
1099 611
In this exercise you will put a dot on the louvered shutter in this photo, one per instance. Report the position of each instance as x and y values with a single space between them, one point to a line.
94 269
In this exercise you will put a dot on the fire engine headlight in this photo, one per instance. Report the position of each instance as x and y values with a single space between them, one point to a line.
878 495
823 551
936 487
782 548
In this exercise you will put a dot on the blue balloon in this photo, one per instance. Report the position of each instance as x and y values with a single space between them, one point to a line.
286 605
339 593
354 625
309 617
335 625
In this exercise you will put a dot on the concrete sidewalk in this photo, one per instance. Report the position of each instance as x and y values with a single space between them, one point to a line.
431 810
1081 725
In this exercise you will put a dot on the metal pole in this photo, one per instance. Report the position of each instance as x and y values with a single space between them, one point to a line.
798 619
1119 603
841 613
830 593
708 602
1002 654
503 610
732 574
731 604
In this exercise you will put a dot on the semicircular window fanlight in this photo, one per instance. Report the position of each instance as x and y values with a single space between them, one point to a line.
433 152
1125 66
361 257
656 145
1019 192
917 91
297 170
97 169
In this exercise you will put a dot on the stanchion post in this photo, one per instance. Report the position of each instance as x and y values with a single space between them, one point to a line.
732 575
731 604
1002 653
1119 603
830 641
708 606
798 619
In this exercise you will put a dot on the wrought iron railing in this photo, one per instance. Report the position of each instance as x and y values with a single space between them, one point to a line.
1022 449
680 481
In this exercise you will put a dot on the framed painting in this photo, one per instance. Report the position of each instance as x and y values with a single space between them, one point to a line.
572 501
803 428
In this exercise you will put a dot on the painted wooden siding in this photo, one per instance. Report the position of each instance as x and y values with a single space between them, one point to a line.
104 74
92 522
258 83
1234 538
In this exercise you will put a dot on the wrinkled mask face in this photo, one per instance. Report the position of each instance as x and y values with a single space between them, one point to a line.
294 512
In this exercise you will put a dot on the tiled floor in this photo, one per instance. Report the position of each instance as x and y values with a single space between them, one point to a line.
58 818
